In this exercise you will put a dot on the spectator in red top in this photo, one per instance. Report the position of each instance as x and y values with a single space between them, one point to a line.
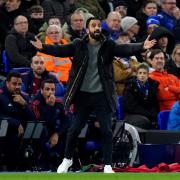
169 85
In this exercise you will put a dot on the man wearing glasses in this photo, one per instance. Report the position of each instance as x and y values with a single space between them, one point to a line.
17 44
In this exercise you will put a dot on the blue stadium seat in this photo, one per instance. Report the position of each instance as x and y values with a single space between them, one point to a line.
60 90
163 117
119 108
20 69
5 61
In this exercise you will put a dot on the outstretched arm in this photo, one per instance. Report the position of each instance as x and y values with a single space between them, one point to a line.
55 50
130 49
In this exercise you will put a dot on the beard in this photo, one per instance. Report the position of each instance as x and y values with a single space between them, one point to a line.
95 35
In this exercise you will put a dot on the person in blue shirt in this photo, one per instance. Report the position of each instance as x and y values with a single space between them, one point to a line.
174 117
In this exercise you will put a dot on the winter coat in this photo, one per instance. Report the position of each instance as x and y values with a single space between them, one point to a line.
160 32
17 113
79 51
69 34
135 102
121 75
53 116
166 20
19 49
28 79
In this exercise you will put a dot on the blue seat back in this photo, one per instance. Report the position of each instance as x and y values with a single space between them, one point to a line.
5 61
60 90
163 117
20 69
119 108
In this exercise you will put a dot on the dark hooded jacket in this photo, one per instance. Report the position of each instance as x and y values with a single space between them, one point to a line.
79 51
135 102
160 32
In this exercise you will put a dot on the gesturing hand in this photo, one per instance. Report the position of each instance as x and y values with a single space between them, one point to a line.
37 44
149 43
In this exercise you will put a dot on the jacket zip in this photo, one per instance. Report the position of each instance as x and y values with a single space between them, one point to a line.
75 80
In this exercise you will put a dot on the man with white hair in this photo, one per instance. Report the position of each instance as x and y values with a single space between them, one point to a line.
59 66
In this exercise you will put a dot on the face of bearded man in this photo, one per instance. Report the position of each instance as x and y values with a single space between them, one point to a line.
94 29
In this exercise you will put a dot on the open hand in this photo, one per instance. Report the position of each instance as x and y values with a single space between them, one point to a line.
37 44
149 43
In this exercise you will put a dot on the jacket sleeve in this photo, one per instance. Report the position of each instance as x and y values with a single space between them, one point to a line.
125 50
13 52
59 50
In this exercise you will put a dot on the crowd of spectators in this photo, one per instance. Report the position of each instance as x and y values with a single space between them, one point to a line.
149 81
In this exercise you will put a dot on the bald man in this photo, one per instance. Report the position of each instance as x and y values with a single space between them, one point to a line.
111 26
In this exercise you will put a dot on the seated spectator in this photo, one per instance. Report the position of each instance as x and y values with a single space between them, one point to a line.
33 78
169 85
52 20
17 45
130 25
152 23
124 67
15 108
60 67
165 40
121 7
85 13
8 12
174 117
168 13
36 20
140 104
173 66
149 8
76 28
49 109
111 26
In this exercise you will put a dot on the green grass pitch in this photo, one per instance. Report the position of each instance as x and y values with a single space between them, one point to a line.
89 176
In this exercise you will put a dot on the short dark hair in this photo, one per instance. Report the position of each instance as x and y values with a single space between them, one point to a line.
91 19
13 74
156 51
50 81
143 66
36 9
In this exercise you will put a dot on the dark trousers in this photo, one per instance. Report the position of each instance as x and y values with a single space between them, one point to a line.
84 104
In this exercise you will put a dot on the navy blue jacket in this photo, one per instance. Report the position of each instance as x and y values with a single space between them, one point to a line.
53 116
18 114
28 79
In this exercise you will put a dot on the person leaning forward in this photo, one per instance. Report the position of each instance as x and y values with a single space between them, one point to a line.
91 84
